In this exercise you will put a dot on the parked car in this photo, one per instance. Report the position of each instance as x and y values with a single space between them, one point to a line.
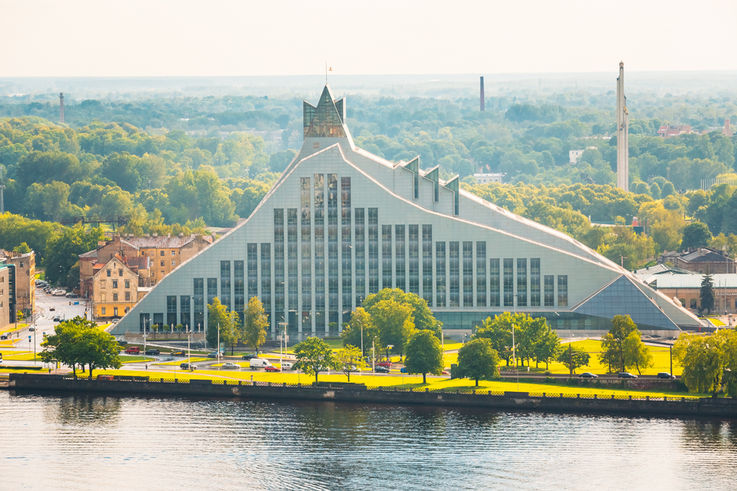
31 329
57 319
212 354
3 336
287 365
381 369
259 363
133 350
588 375
52 309
386 364
123 342
271 368
230 366
626 375
185 366
249 356
177 353
665 375
403 370
152 352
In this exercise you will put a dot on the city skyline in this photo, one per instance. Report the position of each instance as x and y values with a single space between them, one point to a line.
227 38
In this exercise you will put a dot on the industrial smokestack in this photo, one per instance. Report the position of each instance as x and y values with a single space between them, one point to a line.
622 133
482 102
61 107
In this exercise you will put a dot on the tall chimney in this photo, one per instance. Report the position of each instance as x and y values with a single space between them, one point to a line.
622 133
61 107
482 102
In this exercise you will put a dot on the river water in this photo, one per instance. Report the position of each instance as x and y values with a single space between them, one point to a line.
83 442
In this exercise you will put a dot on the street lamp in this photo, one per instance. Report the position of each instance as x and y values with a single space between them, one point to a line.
284 340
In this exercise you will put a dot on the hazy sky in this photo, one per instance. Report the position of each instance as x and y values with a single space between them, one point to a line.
283 37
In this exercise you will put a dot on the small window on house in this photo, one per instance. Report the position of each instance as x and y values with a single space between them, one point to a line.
127 296
162 264
127 283
108 273
162 253
115 283
120 272
127 309
173 262
115 297
173 253
693 303
103 311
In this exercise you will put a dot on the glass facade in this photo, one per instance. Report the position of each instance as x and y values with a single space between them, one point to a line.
494 282
266 278
199 303
292 260
414 259
468 274
319 210
332 254
279 264
508 282
562 290
399 258
239 293
306 252
171 311
522 282
225 284
549 290
346 245
440 288
454 268
360 244
184 311
535 282
373 249
212 292
427 264
386 256
481 274
252 249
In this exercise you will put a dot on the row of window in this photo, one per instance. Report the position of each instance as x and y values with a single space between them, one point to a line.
115 284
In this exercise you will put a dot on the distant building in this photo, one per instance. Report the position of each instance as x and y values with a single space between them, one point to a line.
486 178
668 131
727 130
138 262
702 260
7 295
686 289
25 279
575 155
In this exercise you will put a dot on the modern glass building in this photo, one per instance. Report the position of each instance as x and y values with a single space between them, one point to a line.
341 224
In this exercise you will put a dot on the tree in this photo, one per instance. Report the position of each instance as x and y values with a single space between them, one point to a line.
635 352
62 254
421 314
255 323
702 363
573 358
80 342
547 348
361 323
394 321
348 359
478 360
314 356
219 318
424 354
706 295
695 235
612 343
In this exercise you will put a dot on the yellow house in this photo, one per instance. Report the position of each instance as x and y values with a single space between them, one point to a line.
114 289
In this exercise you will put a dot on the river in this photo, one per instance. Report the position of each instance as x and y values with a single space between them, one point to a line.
96 442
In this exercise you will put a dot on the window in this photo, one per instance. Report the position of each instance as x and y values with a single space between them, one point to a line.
173 262
212 292
373 249
481 274
549 290
440 274
562 290
521 282
414 259
292 260
162 253
468 274
693 303
120 272
171 310
115 283
252 249
266 278
127 296
319 214
115 311
399 266
360 259
454 267
306 250
508 282
184 310
127 283
104 310
108 273
427 264
535 282
224 283
332 254
346 246
494 284
115 297
238 288
386 256
173 253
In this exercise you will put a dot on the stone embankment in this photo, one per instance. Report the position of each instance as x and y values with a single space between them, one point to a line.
356 393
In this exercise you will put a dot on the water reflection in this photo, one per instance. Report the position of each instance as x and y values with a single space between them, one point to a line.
73 442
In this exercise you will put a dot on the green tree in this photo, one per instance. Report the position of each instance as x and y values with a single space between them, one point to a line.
421 314
635 352
361 323
62 254
219 317
477 360
547 347
573 358
22 248
255 323
314 356
702 361
348 359
424 354
706 295
394 321
499 332
80 342
612 343
695 235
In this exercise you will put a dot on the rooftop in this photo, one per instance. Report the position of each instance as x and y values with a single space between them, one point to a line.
676 280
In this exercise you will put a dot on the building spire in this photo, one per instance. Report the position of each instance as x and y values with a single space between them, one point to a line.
622 133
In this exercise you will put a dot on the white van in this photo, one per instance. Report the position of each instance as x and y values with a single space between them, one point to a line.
259 363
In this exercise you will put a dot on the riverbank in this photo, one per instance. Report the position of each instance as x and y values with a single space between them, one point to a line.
359 393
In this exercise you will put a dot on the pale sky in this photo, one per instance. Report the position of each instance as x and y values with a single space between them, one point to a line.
290 37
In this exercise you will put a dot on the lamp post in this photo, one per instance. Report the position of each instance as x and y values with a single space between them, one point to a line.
217 356
283 339
145 330
189 348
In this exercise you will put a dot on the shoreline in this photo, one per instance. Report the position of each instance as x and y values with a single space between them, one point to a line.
357 393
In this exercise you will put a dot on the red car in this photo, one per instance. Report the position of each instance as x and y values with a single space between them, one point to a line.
271 368
385 364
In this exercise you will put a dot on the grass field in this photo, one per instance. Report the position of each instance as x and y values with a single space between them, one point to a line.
19 355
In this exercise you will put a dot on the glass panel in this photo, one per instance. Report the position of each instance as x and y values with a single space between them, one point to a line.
522 282
440 288
252 270
239 294
468 274
386 256
306 250
266 278
171 311
319 209
494 283
481 274
454 274
373 247
414 259
199 304
184 311
562 290
225 283
279 264
535 282
346 246
333 251
212 292
427 264
549 284
399 258
508 282
292 271
360 236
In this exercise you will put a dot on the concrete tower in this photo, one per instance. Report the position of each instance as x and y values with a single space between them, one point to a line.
483 98
61 107
623 166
